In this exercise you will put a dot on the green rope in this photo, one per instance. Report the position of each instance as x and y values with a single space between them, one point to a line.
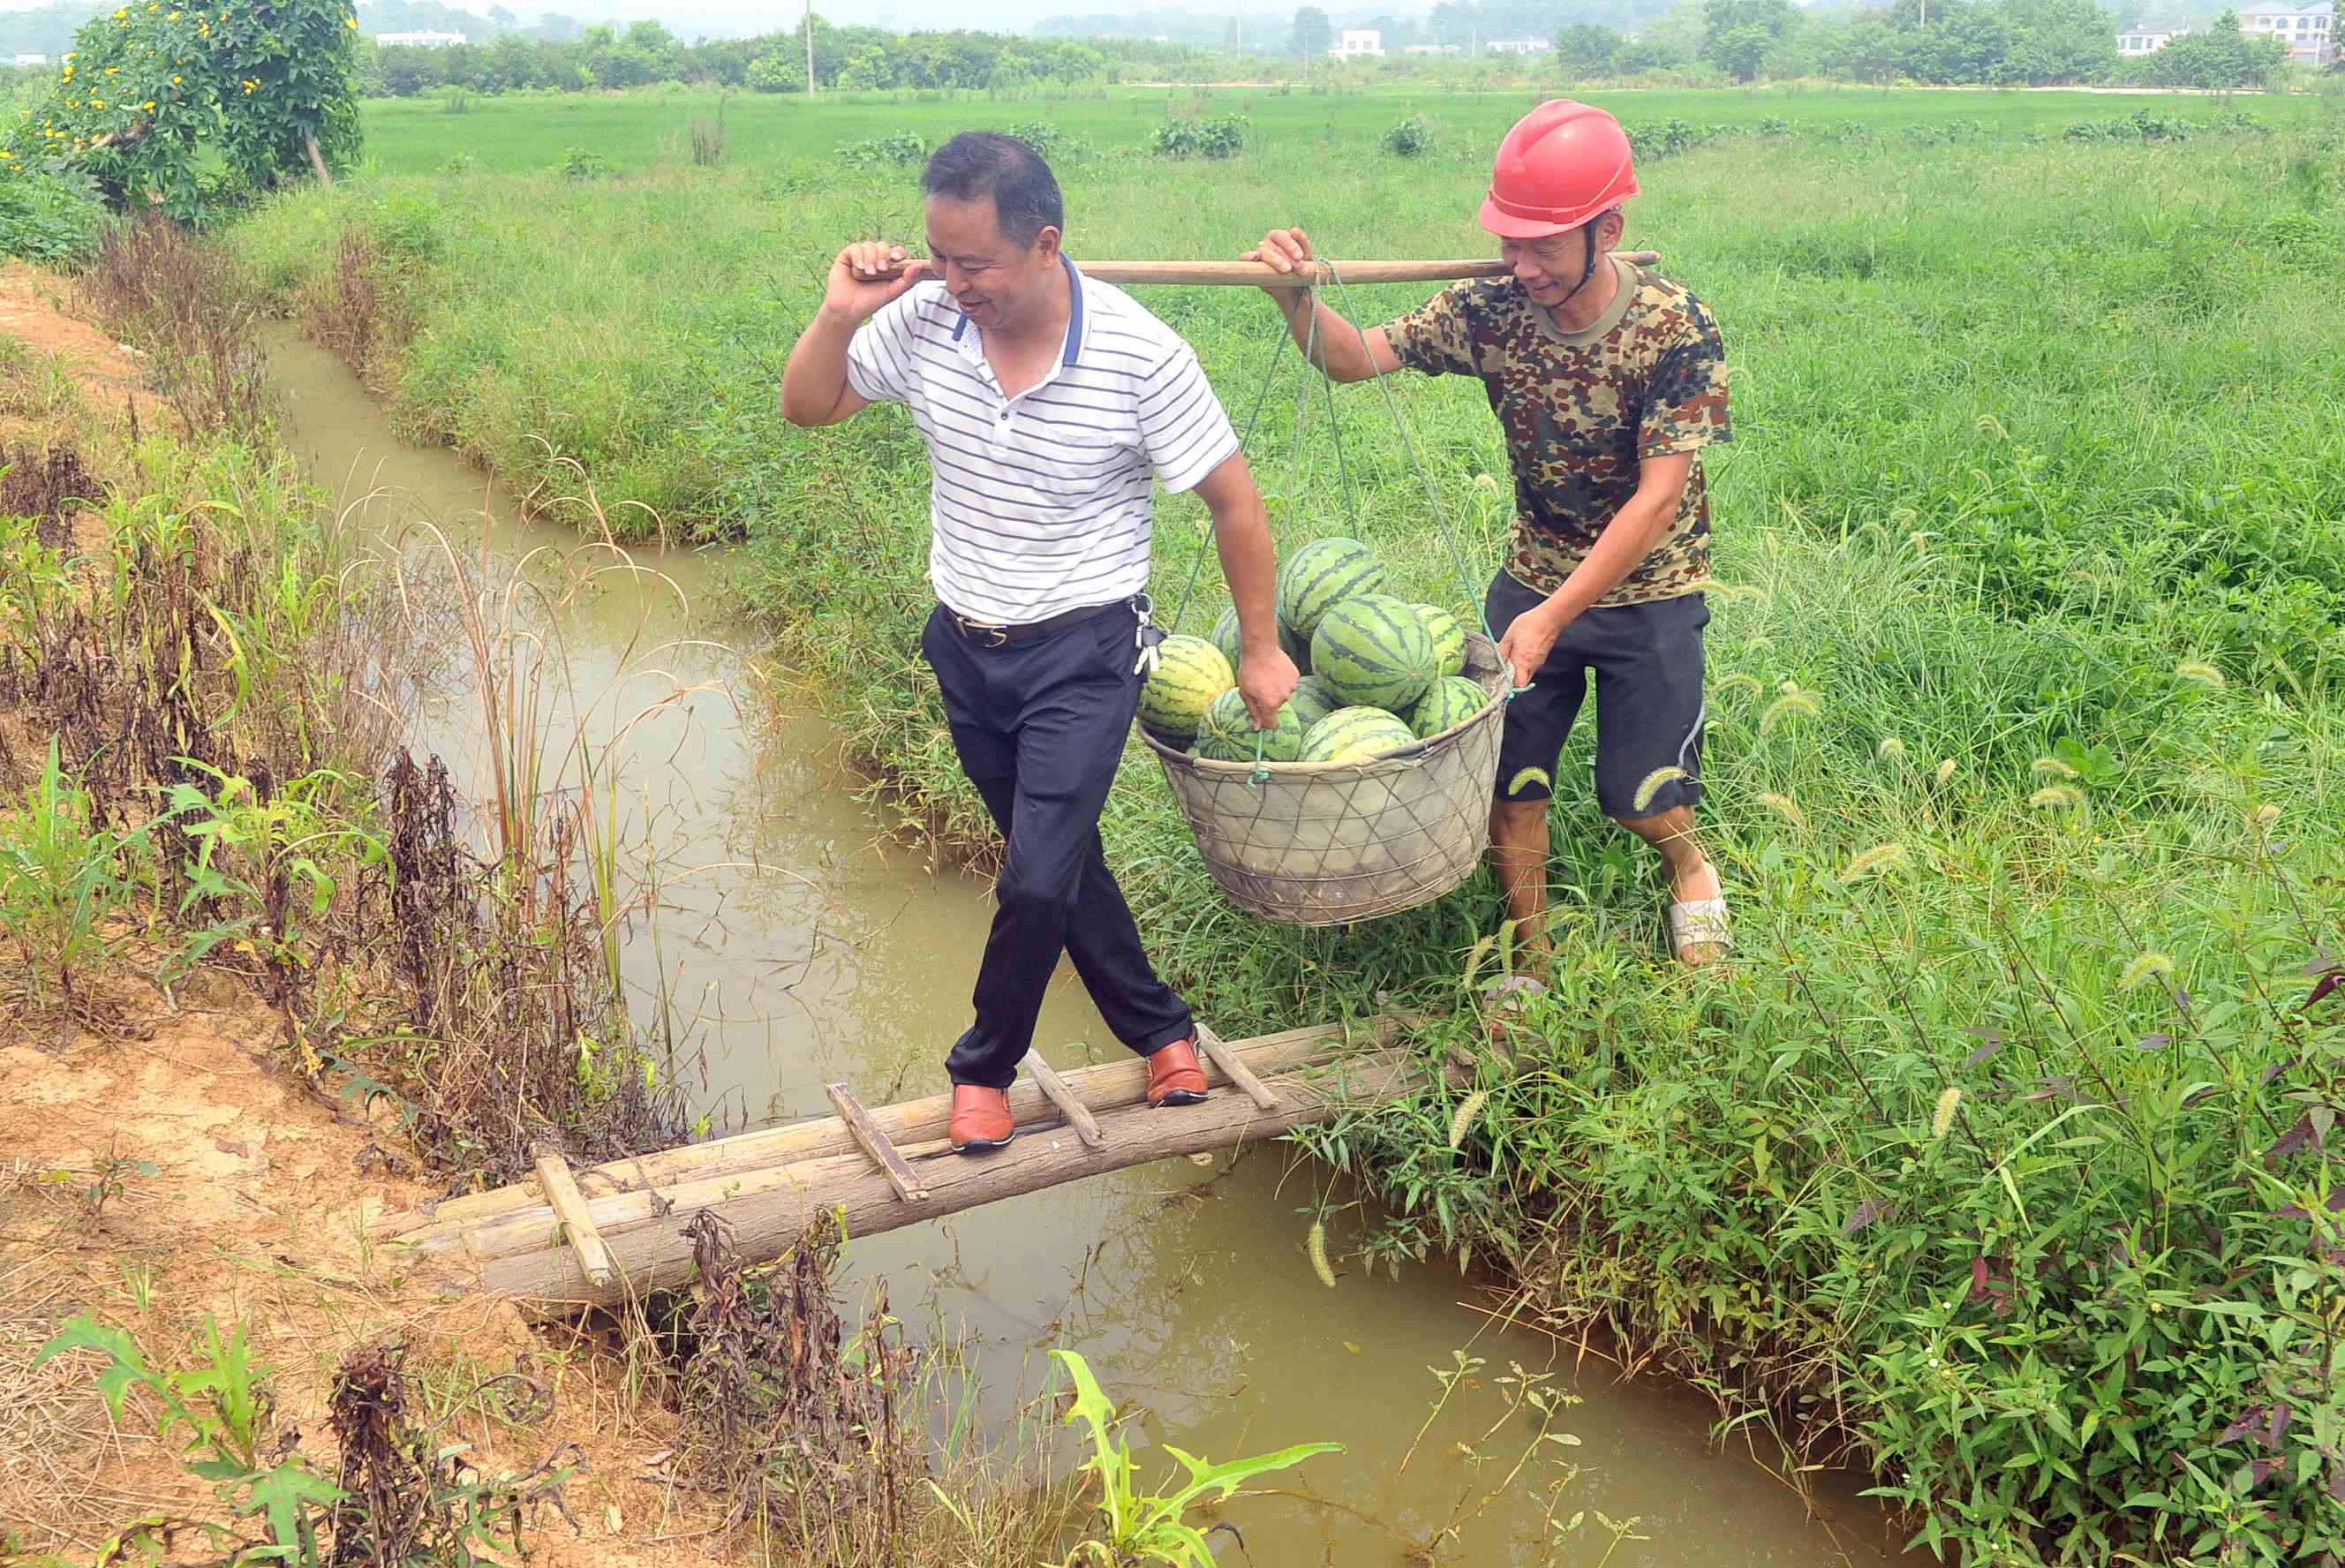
1432 491
1245 439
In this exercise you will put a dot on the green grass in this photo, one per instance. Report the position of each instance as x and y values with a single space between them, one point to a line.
528 133
2025 686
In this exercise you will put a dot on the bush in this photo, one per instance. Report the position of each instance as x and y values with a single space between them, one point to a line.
903 147
1216 138
578 164
782 71
1411 137
49 216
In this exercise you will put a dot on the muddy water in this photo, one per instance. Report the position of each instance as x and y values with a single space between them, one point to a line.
803 950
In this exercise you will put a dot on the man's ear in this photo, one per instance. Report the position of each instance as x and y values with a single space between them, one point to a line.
1046 243
1609 228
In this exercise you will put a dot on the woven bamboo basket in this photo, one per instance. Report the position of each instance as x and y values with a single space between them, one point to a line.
1325 844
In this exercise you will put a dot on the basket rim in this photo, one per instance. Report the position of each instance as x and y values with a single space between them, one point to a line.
1495 682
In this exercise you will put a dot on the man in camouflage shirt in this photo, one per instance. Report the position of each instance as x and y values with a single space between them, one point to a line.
1609 380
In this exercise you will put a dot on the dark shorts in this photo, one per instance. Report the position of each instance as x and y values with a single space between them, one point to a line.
1646 659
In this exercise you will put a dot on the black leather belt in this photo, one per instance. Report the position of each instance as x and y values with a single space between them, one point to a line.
984 634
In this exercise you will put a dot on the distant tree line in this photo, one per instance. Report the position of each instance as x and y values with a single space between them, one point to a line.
1989 43
845 58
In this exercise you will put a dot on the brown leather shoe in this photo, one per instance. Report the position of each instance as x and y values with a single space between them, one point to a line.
1174 1076
981 1120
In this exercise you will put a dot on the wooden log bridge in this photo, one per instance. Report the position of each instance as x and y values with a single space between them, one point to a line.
597 1235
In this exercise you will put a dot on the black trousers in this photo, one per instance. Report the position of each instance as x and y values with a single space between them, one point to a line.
1040 728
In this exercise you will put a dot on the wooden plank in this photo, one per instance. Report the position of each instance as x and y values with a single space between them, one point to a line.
519 1220
658 1256
1216 1051
577 1223
875 1144
1070 1104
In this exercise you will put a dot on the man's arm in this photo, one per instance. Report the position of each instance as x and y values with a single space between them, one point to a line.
1339 349
1267 676
863 280
1625 542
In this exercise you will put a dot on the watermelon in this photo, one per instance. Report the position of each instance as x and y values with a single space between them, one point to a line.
1322 575
1354 735
1451 700
1449 640
1228 733
1312 701
1225 638
1190 673
1372 651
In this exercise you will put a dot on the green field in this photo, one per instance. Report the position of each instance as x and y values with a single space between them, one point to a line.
2025 680
528 133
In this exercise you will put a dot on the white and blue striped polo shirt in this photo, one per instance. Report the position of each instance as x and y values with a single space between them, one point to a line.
1041 503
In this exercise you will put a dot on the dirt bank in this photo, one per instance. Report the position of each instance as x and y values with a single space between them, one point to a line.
158 1167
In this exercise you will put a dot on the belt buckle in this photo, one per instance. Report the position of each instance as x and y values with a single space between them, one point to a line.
984 635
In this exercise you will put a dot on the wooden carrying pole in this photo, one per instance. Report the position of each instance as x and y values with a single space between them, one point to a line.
1257 275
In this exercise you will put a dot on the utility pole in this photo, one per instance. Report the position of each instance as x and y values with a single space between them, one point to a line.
809 33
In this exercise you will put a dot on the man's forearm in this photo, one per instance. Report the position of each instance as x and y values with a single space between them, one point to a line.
1249 565
816 375
1619 551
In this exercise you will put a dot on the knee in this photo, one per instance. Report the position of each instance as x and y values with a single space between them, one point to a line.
1028 898
1513 819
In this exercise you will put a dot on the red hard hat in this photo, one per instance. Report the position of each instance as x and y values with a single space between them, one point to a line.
1562 164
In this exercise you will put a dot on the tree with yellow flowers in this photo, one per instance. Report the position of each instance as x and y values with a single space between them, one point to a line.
148 88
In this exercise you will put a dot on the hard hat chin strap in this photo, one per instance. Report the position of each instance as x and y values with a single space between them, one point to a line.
1586 271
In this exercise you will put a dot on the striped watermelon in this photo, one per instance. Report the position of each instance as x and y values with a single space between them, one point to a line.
1225 638
1449 640
1226 733
1312 701
1322 575
1451 700
1354 735
1190 673
1372 651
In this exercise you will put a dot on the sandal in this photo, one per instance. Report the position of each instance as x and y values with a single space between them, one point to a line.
1701 923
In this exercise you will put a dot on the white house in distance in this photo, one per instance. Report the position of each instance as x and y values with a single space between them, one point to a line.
31 59
1517 46
1358 43
2147 40
1428 48
418 40
2308 28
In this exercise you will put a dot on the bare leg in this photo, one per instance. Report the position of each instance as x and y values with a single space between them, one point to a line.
1519 849
1691 876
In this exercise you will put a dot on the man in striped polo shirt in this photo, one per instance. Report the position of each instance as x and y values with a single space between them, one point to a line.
1051 406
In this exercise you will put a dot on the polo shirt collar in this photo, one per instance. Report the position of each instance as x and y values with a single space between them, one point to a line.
1074 313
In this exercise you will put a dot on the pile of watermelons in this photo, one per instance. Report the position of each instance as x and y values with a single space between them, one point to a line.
1379 673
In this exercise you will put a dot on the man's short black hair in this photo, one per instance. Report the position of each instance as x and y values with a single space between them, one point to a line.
1025 196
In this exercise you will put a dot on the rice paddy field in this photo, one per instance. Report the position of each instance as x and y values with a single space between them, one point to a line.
1996 1162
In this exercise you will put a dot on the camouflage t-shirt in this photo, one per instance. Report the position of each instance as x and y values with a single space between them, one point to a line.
1580 409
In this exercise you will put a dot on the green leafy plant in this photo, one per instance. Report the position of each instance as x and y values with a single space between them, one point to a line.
1223 137
1143 1528
218 1412
903 147
63 878
1410 138
264 853
578 164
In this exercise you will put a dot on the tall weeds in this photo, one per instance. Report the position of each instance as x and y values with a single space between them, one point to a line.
155 284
